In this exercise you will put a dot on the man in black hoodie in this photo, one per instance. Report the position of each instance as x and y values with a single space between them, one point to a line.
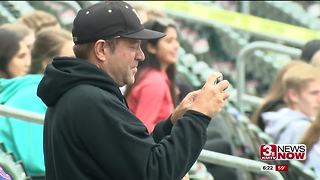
89 133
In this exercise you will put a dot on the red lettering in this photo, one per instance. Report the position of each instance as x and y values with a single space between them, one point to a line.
300 156
290 155
283 152
281 155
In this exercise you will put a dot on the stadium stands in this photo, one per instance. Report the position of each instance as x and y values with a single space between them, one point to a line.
17 9
6 15
288 12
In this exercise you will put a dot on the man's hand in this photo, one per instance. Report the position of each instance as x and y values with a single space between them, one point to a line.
211 98
185 105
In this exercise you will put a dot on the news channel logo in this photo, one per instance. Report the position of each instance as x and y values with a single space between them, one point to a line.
283 152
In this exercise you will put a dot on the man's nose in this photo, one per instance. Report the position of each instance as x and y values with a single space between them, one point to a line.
140 55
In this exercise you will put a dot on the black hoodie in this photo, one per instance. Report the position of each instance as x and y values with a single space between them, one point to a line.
90 134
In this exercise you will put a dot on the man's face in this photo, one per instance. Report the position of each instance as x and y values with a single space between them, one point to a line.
307 100
123 62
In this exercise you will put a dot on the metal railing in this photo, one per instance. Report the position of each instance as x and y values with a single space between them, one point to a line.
205 156
237 162
21 114
244 55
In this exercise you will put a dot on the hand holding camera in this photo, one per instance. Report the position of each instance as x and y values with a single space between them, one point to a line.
211 98
219 79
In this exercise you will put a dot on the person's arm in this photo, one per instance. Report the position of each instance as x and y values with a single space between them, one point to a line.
118 141
163 128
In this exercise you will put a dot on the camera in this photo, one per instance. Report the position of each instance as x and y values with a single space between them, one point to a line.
219 79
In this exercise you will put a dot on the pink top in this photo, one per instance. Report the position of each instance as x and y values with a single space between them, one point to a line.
150 99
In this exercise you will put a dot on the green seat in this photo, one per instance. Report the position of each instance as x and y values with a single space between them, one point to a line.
18 8
199 67
2 147
181 52
189 76
188 60
14 169
6 15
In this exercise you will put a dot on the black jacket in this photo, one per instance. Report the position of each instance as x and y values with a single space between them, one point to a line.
90 134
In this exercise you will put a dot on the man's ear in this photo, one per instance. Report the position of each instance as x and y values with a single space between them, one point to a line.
100 50
151 49
293 95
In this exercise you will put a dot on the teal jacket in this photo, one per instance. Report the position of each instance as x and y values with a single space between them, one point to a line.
23 138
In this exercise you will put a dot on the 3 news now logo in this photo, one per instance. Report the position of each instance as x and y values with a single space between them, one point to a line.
283 151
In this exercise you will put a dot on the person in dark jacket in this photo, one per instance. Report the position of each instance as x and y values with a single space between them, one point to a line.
89 132
310 50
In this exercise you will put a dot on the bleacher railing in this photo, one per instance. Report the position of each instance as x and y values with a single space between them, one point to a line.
21 114
205 156
244 56
237 162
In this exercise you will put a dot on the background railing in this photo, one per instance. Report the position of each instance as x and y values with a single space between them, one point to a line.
237 162
205 156
21 114
243 57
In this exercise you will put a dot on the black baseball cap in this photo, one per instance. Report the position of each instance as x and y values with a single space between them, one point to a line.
110 19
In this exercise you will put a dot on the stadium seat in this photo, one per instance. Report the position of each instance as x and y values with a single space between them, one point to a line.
14 168
188 60
18 8
5 15
285 11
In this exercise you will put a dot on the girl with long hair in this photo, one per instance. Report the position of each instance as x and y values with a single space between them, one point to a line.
152 97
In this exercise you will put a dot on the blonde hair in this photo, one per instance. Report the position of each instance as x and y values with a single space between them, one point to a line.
298 76
316 59
150 13
47 45
153 14
276 91
38 20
